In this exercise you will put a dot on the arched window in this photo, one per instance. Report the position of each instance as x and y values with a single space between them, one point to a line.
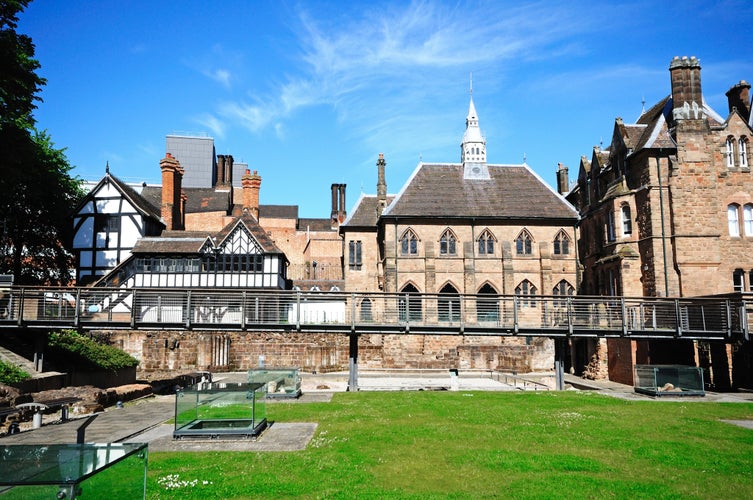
561 244
448 304
733 220
738 280
748 220
563 288
486 243
409 243
611 234
627 222
409 304
743 150
526 290
366 314
730 151
447 243
524 243
487 304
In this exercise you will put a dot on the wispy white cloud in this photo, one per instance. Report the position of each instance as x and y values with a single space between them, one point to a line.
214 124
359 61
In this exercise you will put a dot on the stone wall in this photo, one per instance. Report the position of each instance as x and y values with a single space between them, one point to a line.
228 351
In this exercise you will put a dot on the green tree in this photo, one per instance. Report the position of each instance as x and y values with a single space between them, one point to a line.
37 190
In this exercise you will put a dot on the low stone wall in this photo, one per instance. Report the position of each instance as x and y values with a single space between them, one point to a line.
166 351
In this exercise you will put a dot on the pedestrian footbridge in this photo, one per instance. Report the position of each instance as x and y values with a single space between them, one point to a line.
718 318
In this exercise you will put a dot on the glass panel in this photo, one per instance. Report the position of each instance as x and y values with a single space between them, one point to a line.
212 409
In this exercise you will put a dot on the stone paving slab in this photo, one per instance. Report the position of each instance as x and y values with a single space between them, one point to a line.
278 436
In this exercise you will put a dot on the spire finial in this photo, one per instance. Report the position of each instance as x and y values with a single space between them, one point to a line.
471 78
107 167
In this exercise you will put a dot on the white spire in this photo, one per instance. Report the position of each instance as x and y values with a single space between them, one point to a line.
473 147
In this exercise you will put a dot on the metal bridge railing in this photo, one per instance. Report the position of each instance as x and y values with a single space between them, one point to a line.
216 309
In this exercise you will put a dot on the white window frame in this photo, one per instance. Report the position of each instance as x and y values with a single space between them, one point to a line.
733 220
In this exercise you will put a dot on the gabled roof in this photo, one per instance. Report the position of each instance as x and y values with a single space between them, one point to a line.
146 208
512 192
364 214
191 242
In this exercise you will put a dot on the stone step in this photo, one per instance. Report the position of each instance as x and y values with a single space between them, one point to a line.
10 357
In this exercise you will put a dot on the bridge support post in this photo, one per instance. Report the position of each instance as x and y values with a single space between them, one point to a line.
559 364
353 363
40 342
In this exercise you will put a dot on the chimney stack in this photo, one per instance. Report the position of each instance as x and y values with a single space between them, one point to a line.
381 185
228 177
251 186
341 211
687 100
220 171
333 214
172 177
563 183
739 97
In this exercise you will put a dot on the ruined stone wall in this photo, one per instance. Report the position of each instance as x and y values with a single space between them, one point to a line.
229 351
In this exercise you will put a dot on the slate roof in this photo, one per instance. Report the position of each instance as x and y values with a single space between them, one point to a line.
512 192
198 199
315 224
278 211
190 242
365 214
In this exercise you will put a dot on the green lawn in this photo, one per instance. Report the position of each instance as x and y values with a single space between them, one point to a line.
482 444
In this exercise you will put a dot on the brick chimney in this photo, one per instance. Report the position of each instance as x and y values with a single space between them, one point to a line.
172 178
251 186
563 183
381 185
341 211
687 100
739 97
220 170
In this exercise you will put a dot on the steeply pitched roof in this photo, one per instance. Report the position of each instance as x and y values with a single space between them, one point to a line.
364 214
512 192
191 242
141 204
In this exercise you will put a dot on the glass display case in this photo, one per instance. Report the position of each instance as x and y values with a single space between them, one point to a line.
214 409
107 470
669 380
278 382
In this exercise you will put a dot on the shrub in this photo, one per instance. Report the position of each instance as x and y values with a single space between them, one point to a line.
85 352
11 374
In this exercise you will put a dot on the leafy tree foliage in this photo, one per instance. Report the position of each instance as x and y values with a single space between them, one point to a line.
37 191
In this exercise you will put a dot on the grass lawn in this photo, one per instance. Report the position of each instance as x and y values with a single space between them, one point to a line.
482 444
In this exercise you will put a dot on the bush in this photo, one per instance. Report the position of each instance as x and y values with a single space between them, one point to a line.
87 353
11 374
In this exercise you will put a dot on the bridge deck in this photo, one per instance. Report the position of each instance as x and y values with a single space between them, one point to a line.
339 312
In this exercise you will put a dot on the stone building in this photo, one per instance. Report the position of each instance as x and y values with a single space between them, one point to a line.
461 228
667 210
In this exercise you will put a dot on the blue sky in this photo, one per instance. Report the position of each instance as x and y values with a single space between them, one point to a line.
309 93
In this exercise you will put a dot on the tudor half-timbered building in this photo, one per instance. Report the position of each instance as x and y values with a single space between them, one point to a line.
107 224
